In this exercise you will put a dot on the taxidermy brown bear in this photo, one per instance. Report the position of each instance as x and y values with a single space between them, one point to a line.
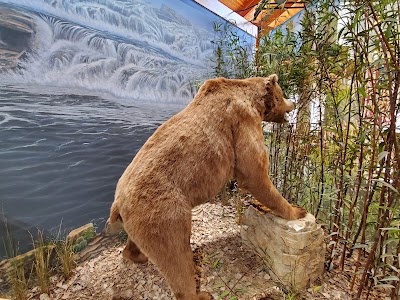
186 162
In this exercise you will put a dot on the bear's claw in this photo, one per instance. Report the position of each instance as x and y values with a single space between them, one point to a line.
299 212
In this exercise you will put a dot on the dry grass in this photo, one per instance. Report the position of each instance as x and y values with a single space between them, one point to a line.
66 257
17 280
16 274
42 262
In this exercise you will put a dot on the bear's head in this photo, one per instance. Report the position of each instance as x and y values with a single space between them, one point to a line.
276 106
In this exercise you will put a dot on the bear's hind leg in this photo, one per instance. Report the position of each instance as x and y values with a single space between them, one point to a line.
176 264
178 270
132 252
168 247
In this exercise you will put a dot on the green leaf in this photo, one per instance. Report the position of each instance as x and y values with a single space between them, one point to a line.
387 208
391 228
390 278
223 294
388 185
360 246
362 91
217 263
394 268
385 285
316 288
386 255
382 155
358 17
388 32
389 19
391 240
219 285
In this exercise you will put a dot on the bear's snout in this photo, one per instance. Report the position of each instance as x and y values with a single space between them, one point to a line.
289 105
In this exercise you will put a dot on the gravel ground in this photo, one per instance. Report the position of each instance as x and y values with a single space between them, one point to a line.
225 267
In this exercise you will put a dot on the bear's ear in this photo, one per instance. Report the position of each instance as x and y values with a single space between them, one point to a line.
273 78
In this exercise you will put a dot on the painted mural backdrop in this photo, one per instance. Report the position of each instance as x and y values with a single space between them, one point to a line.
83 84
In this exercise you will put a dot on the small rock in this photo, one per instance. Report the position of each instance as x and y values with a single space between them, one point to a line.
62 286
66 296
44 297
326 295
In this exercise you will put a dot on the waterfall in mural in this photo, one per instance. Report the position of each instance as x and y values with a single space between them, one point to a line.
127 48
83 84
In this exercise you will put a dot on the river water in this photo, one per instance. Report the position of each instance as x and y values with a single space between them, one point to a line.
61 155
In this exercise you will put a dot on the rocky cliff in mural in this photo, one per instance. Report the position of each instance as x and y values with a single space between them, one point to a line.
16 30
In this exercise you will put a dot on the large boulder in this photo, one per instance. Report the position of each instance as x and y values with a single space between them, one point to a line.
293 251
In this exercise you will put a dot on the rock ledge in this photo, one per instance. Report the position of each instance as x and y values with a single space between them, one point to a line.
293 251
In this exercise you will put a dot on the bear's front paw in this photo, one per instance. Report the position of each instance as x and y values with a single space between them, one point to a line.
298 212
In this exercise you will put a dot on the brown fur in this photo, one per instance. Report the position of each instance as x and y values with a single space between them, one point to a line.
217 137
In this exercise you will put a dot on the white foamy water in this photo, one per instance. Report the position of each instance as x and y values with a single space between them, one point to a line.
129 49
